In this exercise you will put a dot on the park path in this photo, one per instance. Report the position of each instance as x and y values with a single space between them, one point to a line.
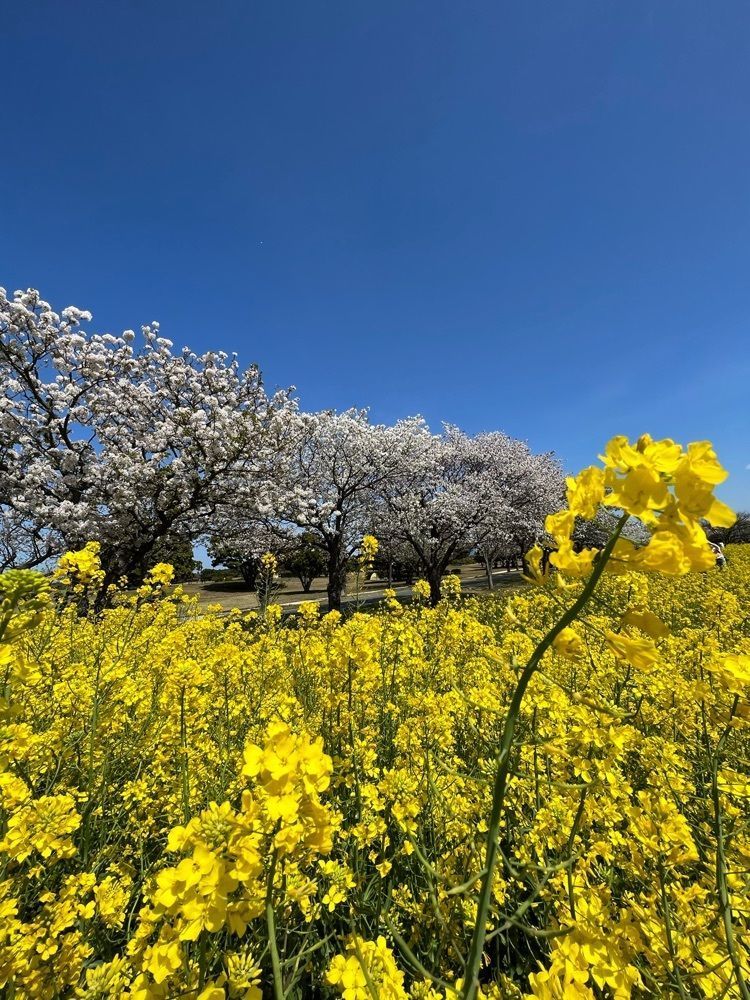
290 598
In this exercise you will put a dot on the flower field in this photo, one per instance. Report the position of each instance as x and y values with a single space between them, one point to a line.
196 806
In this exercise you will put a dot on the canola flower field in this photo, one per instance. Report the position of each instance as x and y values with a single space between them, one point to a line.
542 794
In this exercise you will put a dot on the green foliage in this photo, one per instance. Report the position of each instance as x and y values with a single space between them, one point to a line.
305 561
176 551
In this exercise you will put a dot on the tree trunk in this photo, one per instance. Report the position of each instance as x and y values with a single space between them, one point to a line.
488 570
434 576
524 564
249 571
336 577
102 596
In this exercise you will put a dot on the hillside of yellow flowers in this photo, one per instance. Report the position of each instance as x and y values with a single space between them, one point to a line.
543 794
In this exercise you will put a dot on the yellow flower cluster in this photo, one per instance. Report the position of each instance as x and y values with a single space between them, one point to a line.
367 970
368 549
160 575
269 563
451 587
667 488
224 879
81 569
206 807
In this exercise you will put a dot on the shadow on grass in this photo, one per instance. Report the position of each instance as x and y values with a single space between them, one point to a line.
226 587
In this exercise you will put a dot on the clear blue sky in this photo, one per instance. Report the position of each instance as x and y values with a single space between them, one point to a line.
533 217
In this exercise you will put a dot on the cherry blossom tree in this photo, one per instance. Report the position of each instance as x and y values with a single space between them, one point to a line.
739 532
24 544
237 539
104 440
531 488
336 465
456 490
594 533
396 559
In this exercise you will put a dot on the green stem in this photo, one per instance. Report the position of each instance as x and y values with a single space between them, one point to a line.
278 983
371 987
409 954
668 932
569 850
184 764
471 972
90 780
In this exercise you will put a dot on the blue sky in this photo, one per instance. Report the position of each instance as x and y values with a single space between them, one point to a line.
526 216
